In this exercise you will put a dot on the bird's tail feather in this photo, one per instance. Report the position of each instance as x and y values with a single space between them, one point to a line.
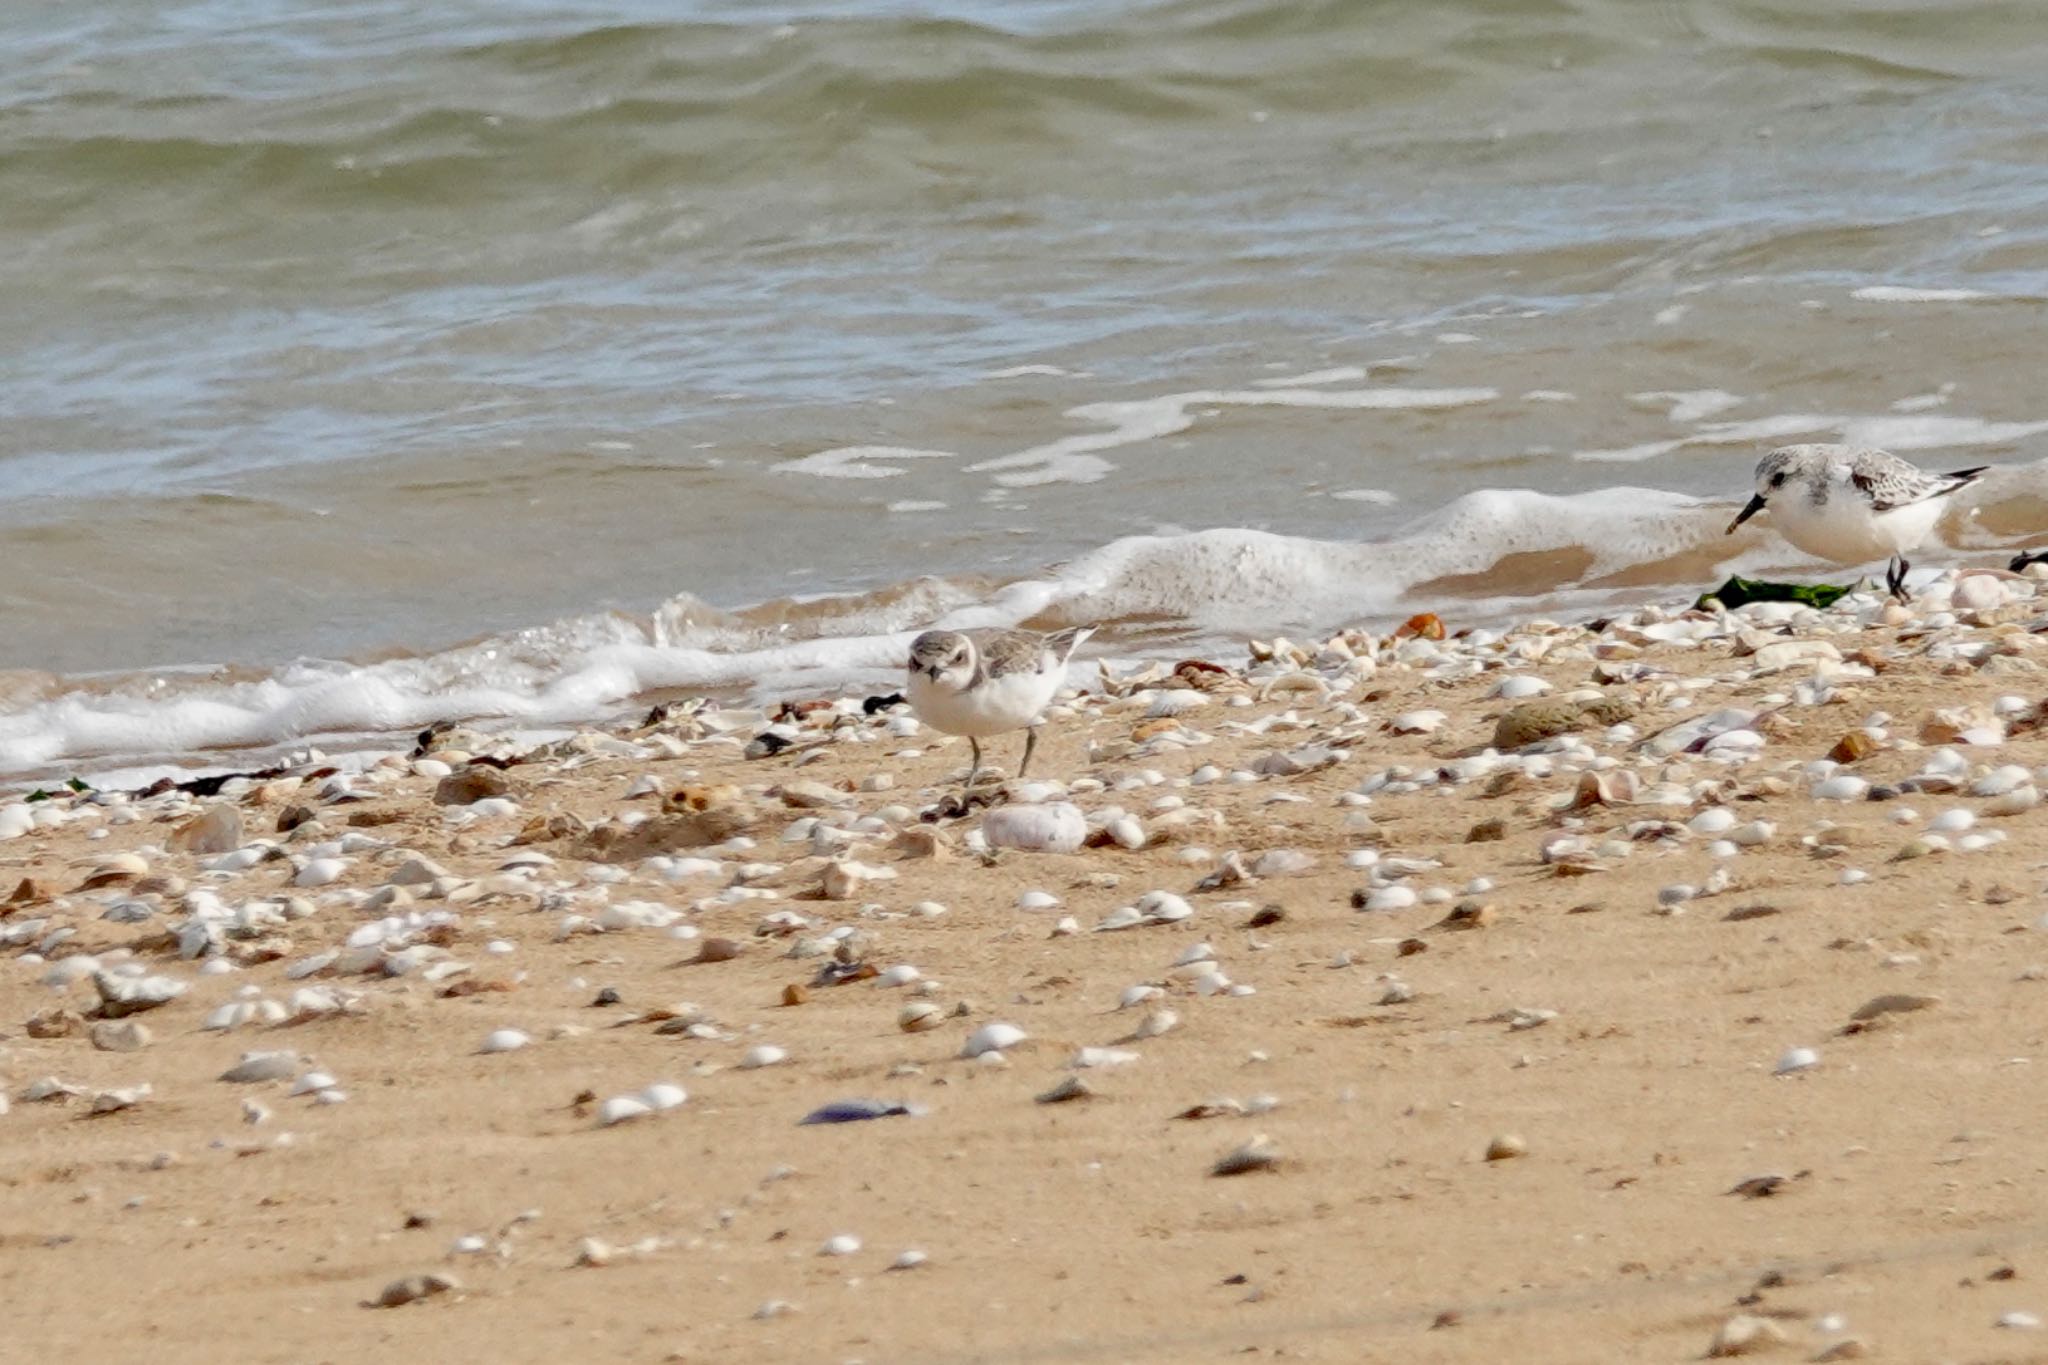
1064 642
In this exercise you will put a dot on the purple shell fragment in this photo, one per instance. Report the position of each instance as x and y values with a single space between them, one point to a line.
853 1111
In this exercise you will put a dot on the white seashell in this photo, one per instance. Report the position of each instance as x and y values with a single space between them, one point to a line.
1752 834
312 1083
1127 832
1200 952
1841 787
2019 1320
15 821
1156 1023
1067 927
231 1015
663 1095
845 1244
620 1108
1516 686
1124 917
1391 898
2001 780
1282 862
909 1260
1058 827
1952 821
1092 1057
1038 900
767 1054
919 1017
1797 1059
1137 995
1163 907
1417 722
2014 802
1175 701
1713 820
263 1066
902 974
504 1040
1980 592
321 872
992 1038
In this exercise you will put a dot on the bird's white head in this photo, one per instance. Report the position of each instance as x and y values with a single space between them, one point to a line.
1794 465
945 656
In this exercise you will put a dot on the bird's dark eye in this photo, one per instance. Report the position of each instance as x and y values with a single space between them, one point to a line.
1778 479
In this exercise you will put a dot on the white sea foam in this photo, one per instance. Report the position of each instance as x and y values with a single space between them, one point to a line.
1887 431
1074 459
1483 556
860 462
1899 293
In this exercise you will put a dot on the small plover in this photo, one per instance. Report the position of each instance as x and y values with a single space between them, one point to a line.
979 683
1852 505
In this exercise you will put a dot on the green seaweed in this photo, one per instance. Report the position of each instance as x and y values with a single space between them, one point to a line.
1737 592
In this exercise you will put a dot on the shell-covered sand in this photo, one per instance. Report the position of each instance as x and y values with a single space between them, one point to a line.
1623 1050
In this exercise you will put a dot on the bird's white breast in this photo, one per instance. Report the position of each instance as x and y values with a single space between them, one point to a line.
1010 702
1846 530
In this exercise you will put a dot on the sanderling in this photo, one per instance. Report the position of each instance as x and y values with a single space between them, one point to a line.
1851 505
988 682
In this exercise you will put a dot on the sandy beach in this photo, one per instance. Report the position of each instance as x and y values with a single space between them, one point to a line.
1494 956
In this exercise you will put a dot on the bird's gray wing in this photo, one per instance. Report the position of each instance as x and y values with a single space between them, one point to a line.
1890 482
1025 651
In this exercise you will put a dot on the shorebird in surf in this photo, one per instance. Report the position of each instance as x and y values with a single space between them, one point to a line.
980 683
1852 505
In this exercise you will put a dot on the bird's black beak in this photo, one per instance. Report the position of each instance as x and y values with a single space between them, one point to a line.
1755 505
935 670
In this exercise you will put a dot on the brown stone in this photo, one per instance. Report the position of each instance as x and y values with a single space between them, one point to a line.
794 994
1853 747
474 783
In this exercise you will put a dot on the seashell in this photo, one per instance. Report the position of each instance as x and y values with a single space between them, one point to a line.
113 1101
919 1017
1796 1059
2014 802
1071 1089
1037 900
1258 1154
902 974
1390 898
1127 832
262 1066
1163 907
1893 1004
1506 1147
1979 592
1156 1023
49 1088
908 1260
843 1244
1713 820
1124 917
320 872
312 1083
1840 787
1751 835
1518 687
993 1037
1282 862
2019 1320
1134 996
1093 1057
663 1095
121 996
1417 722
1058 827
1952 821
1745 1334
621 1109
231 1015
767 1054
855 1111
504 1040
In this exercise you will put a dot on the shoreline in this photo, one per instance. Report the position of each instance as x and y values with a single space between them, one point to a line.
1512 976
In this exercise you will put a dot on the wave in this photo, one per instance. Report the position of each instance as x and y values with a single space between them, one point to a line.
1479 559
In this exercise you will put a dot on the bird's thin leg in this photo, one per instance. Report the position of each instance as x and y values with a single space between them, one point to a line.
973 771
1895 578
1030 743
